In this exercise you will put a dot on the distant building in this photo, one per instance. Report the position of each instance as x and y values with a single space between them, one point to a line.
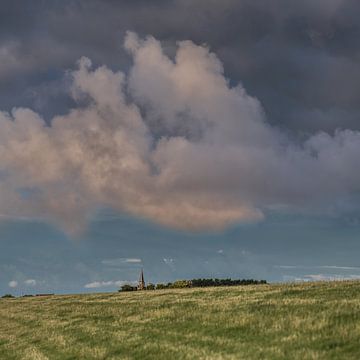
141 284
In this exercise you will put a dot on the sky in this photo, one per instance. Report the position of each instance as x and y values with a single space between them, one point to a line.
191 139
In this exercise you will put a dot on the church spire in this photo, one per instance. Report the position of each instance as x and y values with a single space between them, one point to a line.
141 285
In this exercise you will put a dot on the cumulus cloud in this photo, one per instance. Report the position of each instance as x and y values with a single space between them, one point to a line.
171 141
13 284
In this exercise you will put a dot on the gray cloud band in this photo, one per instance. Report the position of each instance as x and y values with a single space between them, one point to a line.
299 58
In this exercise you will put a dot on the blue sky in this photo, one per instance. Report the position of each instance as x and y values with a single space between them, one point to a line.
219 139
115 248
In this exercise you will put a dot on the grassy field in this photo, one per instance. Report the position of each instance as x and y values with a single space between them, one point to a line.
302 321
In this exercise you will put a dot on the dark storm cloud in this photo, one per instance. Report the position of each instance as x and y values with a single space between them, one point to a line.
299 58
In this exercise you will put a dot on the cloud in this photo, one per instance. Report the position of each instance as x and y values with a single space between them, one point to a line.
111 283
300 61
288 267
13 284
170 262
321 277
132 260
317 267
340 267
30 282
121 261
171 141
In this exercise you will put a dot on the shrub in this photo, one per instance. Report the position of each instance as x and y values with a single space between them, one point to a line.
161 286
8 296
128 287
180 284
225 282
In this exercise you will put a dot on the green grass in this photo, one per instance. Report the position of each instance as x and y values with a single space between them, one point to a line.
302 321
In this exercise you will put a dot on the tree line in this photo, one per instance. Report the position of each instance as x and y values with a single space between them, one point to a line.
180 284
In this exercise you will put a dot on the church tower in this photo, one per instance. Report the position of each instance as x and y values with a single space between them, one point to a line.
141 285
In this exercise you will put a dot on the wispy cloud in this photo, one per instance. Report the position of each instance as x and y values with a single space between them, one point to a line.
13 217
30 282
110 283
321 277
121 261
336 267
133 260
288 267
339 267
170 262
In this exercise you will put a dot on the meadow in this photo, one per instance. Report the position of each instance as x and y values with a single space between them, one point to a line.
279 321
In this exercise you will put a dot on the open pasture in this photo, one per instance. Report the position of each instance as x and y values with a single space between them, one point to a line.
288 321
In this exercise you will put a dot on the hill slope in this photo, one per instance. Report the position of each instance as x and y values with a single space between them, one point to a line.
303 321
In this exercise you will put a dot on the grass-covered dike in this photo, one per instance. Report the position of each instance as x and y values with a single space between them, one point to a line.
288 321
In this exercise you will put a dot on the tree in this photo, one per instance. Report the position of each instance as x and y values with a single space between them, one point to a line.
161 286
180 284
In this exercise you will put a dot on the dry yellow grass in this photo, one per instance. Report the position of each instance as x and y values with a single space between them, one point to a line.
299 321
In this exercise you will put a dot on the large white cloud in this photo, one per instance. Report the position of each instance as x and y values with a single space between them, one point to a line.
170 141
